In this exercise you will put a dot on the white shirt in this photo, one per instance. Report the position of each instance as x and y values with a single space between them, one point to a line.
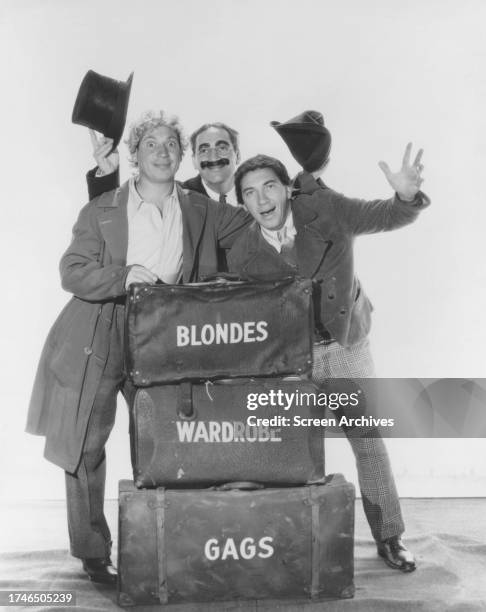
230 196
155 236
288 231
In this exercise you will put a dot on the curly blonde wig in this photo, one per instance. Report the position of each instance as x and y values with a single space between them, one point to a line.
147 122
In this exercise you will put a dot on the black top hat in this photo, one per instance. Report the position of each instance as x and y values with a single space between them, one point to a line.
307 138
102 105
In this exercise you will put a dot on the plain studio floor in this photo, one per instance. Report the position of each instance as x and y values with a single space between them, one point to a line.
448 537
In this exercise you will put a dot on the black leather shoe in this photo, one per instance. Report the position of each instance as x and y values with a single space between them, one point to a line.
396 554
100 570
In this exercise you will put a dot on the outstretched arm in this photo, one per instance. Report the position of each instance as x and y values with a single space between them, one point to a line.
368 216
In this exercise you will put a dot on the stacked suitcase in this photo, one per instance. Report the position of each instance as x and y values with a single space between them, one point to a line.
223 507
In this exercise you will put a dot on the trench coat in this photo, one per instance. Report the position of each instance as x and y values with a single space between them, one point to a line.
94 270
327 224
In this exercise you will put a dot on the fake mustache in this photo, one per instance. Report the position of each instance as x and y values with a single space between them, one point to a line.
224 161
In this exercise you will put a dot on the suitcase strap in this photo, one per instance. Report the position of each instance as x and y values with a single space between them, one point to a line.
161 552
316 587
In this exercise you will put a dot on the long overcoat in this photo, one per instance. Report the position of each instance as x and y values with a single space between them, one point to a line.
94 270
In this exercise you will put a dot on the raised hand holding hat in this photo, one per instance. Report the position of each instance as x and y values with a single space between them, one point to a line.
106 158
102 104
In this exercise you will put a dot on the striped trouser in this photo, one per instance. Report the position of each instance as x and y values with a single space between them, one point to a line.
376 482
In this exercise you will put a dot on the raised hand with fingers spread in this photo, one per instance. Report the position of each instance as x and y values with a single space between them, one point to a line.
107 162
406 182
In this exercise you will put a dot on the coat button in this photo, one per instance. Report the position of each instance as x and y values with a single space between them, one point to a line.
87 350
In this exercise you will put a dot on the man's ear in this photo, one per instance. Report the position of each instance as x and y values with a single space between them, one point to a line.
288 188
238 157
194 163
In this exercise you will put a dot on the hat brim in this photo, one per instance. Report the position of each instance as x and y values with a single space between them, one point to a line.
299 127
118 121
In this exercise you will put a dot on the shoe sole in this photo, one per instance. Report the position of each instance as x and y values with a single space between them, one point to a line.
406 569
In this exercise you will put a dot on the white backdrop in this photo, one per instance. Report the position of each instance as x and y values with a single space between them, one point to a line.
382 73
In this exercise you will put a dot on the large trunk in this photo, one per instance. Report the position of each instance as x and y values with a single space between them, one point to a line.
214 545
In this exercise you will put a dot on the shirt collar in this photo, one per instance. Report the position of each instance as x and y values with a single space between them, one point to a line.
137 200
230 196
288 227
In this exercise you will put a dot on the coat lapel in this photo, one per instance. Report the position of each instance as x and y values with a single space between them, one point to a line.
311 245
113 223
261 257
194 211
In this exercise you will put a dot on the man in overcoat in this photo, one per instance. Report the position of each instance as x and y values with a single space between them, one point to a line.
149 229
312 235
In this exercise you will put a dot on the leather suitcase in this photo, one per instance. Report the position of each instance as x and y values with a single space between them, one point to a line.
198 435
218 330
212 545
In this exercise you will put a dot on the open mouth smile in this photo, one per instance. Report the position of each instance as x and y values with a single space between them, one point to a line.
267 213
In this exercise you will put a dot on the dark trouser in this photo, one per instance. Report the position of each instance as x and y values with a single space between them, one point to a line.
378 490
89 533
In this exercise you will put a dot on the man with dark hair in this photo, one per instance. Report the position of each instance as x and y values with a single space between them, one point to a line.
149 229
312 235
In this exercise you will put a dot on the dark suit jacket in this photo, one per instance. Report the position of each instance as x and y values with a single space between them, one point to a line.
195 184
326 224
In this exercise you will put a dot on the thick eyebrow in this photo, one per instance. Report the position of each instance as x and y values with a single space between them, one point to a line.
218 142
269 182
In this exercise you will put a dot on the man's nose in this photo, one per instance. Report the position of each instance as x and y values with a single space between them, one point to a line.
162 150
213 154
262 198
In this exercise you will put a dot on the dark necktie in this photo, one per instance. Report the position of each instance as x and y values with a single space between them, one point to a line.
222 198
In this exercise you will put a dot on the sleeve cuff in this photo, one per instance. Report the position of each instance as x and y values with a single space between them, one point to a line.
421 200
99 184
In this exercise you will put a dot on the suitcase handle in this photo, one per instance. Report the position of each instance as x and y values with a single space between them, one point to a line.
241 485
222 277
185 407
